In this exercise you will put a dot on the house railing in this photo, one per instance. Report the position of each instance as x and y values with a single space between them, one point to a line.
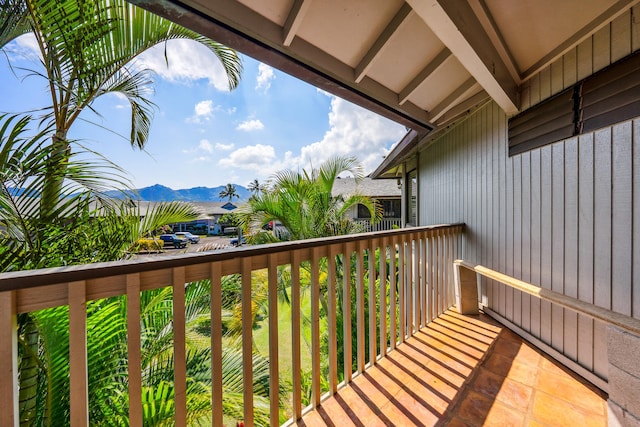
382 225
409 273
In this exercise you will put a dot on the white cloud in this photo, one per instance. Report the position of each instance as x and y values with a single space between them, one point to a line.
224 147
353 131
205 145
250 125
203 112
188 61
252 157
265 76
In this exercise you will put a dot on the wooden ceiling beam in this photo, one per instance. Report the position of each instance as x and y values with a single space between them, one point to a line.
451 100
461 109
294 20
374 51
423 75
457 26
235 25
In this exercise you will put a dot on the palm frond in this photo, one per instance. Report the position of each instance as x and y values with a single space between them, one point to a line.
14 20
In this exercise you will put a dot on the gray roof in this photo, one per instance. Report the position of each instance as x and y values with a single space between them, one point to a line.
377 188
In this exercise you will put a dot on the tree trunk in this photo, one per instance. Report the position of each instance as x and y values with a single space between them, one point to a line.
28 371
54 175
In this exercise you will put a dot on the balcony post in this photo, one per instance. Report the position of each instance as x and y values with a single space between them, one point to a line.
9 359
466 282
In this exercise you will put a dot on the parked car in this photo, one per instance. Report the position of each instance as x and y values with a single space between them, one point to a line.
238 242
175 241
186 235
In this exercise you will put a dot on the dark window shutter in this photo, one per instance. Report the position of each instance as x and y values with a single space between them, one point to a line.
547 122
612 95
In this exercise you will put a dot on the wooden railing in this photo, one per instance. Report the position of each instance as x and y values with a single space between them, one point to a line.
466 278
382 225
410 271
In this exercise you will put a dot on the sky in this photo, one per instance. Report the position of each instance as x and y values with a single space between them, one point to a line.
203 134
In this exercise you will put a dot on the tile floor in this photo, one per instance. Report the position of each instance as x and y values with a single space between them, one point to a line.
464 371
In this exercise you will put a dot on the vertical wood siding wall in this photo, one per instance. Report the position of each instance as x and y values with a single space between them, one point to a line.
565 216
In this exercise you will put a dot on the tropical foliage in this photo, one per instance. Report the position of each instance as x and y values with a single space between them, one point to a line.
229 192
304 204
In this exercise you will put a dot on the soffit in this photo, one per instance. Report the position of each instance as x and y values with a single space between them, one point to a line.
532 29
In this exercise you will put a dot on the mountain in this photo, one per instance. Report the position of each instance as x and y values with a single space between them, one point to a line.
160 193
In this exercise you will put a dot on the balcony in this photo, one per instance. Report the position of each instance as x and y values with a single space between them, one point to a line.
416 362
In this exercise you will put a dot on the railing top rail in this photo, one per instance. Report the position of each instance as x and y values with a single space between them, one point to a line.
42 277
608 316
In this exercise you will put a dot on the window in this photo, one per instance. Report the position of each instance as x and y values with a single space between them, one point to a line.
412 197
363 212
607 97
391 208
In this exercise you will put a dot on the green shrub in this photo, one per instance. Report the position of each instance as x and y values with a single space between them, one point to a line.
148 245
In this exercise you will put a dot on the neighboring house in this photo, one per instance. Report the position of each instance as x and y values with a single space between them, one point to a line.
522 124
387 192
208 223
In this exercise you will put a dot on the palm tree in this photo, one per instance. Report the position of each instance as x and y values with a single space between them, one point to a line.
229 192
256 188
304 205
86 48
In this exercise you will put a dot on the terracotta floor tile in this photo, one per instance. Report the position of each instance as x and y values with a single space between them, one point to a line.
515 395
498 364
372 390
423 405
570 389
529 355
479 410
487 383
523 373
448 373
506 347
333 414
552 411
457 422
441 377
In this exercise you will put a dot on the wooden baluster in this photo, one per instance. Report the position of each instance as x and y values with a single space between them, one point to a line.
331 318
401 287
215 273
360 322
9 415
274 365
346 307
372 303
134 357
78 378
383 297
315 327
295 335
393 269
247 342
179 346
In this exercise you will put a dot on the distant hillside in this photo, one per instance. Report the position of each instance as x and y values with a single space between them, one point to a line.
160 193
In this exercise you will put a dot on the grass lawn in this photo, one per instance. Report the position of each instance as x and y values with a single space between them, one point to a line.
261 338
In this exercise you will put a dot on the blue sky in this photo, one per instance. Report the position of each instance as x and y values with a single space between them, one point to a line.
204 135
